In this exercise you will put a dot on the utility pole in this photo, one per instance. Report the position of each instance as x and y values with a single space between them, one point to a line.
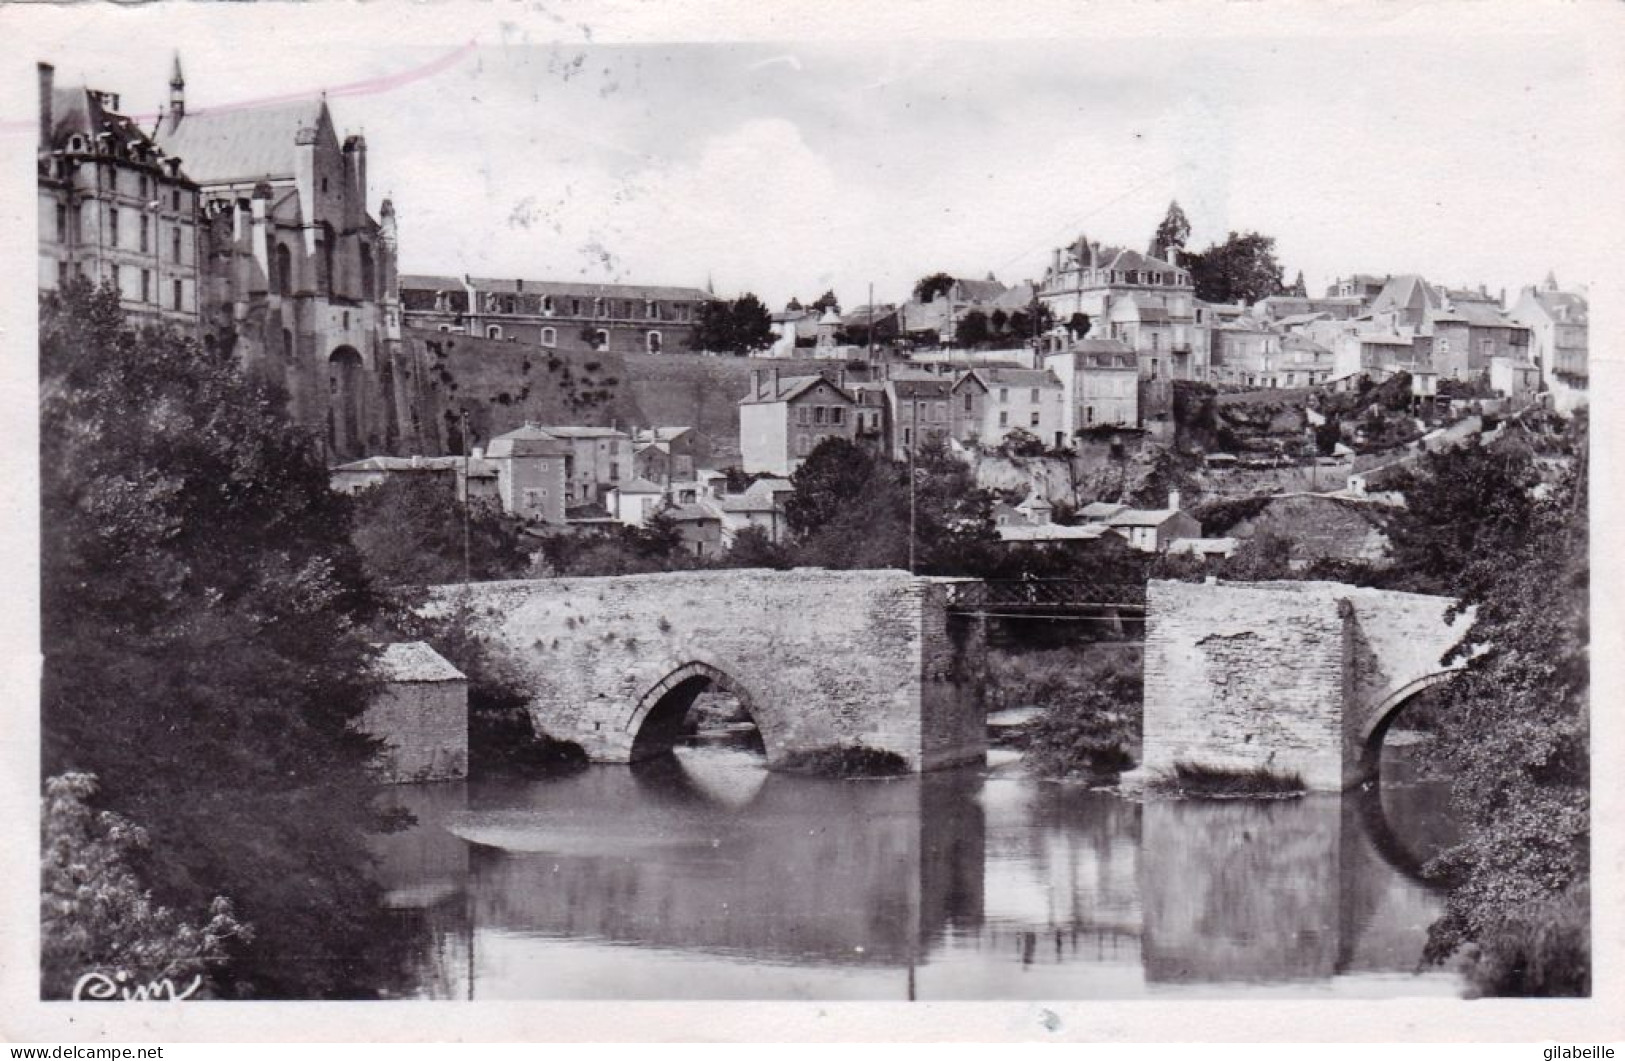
467 566
914 441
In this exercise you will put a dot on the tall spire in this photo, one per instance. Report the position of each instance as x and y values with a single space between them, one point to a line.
177 94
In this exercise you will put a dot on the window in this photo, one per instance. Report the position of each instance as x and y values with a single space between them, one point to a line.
143 237
143 185
1088 414
597 307
1004 395
177 290
908 437
493 332
61 274
803 416
146 285
61 223
112 226
366 272
175 199
550 337
1004 418
175 243
118 280
1034 421
837 415
818 414
1034 398
575 307
287 346
652 342
942 411
547 305
967 401
603 339
324 185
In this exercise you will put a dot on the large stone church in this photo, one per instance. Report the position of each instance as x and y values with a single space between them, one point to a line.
290 266
298 272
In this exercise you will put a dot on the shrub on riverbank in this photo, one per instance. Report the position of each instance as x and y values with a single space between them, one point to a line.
1545 954
1192 779
843 761
1090 698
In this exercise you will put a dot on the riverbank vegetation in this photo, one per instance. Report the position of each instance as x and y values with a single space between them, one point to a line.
206 624
1193 780
1089 696
843 761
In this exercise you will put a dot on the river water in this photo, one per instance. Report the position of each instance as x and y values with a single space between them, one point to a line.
709 878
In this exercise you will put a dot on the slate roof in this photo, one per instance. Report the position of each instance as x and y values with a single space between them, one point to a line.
1100 510
693 513
240 144
790 387
414 661
638 485
980 290
590 289
1405 292
1142 517
916 389
1051 532
1565 307
397 464
79 110
1016 377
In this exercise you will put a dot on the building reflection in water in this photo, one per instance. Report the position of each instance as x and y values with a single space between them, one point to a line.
709 877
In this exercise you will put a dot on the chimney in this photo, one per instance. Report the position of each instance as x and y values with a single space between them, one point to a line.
840 378
755 383
47 82
1173 499
477 452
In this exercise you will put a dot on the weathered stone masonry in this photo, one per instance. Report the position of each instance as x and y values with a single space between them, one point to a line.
818 658
1298 677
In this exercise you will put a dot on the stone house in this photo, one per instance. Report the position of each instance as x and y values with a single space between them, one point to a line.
1468 335
1099 385
355 476
782 419
634 501
420 713
1031 400
700 525
533 473
1559 327
664 454
1245 352
1152 530
918 410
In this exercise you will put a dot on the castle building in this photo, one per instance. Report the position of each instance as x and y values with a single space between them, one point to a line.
557 315
114 207
295 272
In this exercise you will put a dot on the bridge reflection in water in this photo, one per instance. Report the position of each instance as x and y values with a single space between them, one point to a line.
710 878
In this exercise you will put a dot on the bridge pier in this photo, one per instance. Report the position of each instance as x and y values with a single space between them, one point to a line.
1294 677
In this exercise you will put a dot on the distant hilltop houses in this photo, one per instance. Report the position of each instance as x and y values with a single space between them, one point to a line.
249 228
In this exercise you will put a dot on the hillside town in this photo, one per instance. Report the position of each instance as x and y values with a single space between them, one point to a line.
1139 520
255 229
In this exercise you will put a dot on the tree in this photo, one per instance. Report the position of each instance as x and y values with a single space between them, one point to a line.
1513 733
95 914
1171 234
999 321
205 645
828 481
1299 289
972 329
927 288
826 301
409 530
793 306
753 548
1241 269
1460 502
1077 326
740 327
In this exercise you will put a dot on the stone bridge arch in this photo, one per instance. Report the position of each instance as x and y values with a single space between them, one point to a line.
818 657
655 724
1295 677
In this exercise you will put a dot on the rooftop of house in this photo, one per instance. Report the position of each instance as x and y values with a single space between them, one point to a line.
659 434
562 431
1051 532
414 661
1141 517
695 513
1100 346
1564 306
1100 510
399 464
1000 376
769 487
1406 292
789 388
637 485
978 290
920 388
228 145
90 114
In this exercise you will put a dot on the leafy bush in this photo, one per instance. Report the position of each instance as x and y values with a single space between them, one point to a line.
843 761
1091 708
1192 779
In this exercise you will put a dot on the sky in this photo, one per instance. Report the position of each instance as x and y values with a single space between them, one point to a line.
779 159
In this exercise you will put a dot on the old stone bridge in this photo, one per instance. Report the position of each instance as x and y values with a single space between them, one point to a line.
818 658
1298 677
